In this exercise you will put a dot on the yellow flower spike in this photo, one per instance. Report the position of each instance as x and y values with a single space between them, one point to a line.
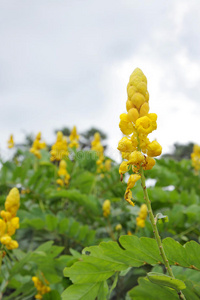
137 124
129 232
74 137
59 149
11 142
37 146
132 180
136 158
13 201
106 208
154 149
133 114
41 286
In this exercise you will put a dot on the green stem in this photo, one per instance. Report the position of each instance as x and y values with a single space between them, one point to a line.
155 231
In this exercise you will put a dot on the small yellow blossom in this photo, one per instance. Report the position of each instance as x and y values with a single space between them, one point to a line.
41 286
63 174
132 180
106 208
118 227
11 142
140 220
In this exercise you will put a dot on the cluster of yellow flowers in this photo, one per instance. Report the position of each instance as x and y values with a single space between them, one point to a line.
106 208
9 222
136 124
63 174
98 147
59 149
195 156
11 142
42 288
140 220
37 145
74 137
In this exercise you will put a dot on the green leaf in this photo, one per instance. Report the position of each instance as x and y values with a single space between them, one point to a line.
162 279
51 222
150 291
81 291
87 273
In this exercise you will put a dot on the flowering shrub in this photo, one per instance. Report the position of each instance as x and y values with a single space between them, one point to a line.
73 217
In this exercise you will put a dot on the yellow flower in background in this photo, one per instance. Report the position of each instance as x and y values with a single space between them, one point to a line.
41 286
59 149
11 142
37 146
63 174
9 222
99 149
118 227
140 220
74 137
195 156
136 124
106 208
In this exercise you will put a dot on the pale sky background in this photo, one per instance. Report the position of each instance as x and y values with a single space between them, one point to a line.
65 63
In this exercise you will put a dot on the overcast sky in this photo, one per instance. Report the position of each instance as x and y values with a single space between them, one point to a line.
65 63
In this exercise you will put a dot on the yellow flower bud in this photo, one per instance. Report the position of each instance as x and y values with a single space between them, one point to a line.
154 149
131 91
144 109
138 99
106 208
133 114
142 88
129 105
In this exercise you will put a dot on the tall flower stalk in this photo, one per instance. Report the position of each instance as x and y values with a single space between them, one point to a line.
137 150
